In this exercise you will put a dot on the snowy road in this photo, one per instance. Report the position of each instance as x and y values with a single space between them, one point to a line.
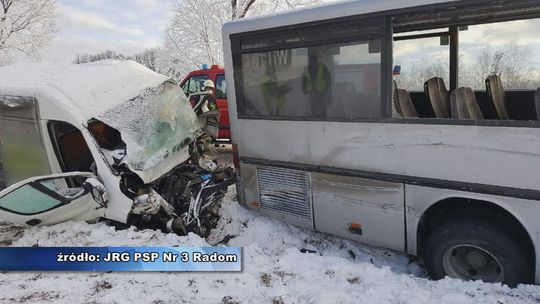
274 269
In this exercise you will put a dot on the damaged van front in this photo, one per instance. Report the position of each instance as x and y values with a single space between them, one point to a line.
138 157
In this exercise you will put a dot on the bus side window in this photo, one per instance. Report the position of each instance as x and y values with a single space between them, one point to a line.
414 70
334 81
303 75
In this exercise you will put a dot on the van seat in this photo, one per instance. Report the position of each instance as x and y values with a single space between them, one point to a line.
438 96
463 104
75 153
495 90
403 103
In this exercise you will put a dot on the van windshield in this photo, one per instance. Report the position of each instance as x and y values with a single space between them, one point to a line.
154 125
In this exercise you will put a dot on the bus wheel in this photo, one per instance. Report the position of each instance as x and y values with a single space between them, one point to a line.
476 250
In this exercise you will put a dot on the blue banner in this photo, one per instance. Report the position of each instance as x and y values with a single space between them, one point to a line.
120 259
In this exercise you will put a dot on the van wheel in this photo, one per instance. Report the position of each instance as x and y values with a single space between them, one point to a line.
477 250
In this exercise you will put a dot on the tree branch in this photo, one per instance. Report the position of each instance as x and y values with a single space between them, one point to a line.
246 9
26 25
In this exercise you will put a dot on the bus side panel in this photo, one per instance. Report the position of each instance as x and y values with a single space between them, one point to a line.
360 209
249 191
420 198
275 196
354 208
494 156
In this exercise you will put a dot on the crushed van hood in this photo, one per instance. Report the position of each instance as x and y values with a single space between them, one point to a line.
157 128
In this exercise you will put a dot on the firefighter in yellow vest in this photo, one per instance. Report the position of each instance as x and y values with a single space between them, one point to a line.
273 93
316 82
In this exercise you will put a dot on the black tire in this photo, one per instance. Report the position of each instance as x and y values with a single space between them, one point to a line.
457 238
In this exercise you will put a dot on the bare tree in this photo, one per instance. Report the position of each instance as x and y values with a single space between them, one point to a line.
416 73
513 63
194 33
26 26
487 63
147 57
519 68
107 54
239 10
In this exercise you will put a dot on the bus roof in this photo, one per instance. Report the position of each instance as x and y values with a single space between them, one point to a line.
323 12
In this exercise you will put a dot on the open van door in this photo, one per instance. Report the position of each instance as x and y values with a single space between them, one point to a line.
52 199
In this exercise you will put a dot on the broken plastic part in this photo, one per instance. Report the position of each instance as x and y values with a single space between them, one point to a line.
148 204
207 164
186 199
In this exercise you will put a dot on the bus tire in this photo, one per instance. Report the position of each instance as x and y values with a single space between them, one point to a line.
476 250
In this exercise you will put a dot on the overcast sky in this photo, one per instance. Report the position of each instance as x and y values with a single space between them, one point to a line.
130 26
125 26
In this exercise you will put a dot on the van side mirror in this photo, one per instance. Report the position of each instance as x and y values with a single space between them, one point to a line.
97 189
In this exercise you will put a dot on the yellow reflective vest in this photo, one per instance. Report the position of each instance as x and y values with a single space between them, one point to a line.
317 85
269 88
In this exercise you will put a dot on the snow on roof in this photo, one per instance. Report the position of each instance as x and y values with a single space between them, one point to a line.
90 88
327 11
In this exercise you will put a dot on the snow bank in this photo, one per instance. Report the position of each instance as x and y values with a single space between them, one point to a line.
274 269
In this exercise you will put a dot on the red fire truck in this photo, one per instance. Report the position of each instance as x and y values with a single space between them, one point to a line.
193 83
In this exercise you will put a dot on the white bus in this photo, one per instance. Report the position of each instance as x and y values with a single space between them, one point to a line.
406 124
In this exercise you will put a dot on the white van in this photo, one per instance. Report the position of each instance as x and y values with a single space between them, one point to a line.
107 140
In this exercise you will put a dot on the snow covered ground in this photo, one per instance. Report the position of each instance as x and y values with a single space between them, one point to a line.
274 269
